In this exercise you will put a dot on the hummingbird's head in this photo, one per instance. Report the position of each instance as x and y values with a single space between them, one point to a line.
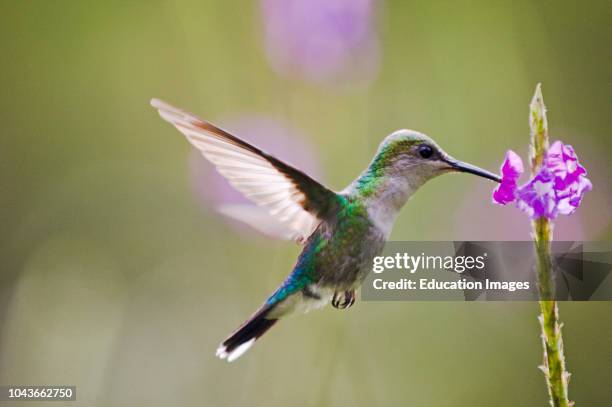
410 154
405 160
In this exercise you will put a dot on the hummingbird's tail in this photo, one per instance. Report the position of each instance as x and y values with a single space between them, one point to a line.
245 336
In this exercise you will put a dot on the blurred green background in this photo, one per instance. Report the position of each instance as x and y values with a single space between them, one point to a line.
118 277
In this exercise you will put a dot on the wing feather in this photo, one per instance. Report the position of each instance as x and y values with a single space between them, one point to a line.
289 195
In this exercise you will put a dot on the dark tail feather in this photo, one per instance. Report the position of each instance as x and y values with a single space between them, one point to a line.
243 338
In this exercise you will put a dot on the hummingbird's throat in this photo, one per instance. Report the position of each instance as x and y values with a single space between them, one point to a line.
384 202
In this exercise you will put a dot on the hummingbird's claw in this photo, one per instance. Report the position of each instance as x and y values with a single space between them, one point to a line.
351 298
347 298
335 302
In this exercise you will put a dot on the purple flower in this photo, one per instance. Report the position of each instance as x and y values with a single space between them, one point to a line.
537 198
511 171
556 189
320 40
563 163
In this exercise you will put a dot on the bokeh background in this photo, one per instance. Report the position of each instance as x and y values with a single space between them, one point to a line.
118 275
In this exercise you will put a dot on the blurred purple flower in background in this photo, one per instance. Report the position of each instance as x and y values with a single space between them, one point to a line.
557 189
321 40
214 191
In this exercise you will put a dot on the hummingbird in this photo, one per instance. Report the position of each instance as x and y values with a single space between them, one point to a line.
340 232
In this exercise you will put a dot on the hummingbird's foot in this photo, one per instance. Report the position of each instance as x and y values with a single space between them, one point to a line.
344 300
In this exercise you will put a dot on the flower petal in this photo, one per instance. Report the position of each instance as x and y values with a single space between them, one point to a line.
511 170
504 193
537 198
562 161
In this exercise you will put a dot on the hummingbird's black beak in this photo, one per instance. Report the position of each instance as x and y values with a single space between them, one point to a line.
472 169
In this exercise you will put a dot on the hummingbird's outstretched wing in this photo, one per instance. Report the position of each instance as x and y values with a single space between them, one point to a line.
287 193
259 219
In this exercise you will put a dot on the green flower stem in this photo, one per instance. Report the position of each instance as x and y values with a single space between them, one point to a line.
557 377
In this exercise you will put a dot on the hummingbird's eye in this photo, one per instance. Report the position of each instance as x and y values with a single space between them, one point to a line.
425 151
